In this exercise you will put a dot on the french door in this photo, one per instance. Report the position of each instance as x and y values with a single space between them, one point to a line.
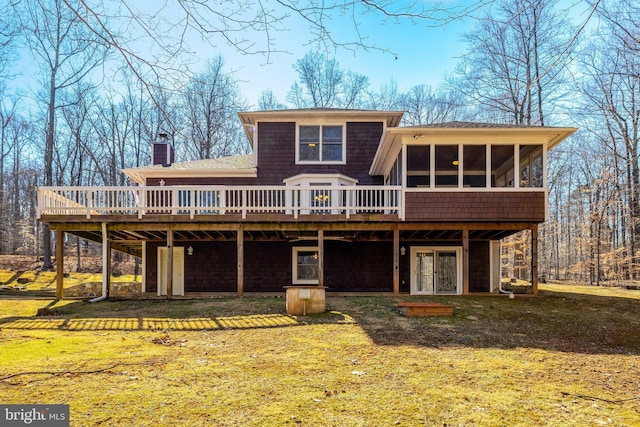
436 270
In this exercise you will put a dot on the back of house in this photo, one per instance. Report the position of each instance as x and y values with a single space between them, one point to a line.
342 199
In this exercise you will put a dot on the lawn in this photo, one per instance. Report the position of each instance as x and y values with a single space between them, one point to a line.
570 357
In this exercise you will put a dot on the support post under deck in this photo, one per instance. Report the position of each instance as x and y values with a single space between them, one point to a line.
169 264
59 264
240 255
465 262
534 259
396 262
106 261
320 258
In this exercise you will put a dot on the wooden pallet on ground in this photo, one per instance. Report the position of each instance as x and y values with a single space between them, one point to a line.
424 309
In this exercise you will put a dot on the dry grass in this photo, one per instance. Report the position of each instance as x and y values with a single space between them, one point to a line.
571 357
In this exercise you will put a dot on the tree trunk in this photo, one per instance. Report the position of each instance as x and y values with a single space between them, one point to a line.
78 255
48 166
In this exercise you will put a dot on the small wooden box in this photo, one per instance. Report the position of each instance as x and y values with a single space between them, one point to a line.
424 309
303 300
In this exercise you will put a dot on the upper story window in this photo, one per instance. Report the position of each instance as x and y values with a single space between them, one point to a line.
321 144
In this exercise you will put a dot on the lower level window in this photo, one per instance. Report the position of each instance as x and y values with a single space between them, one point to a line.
305 265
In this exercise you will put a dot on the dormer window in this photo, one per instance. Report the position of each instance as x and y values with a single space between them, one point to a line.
321 144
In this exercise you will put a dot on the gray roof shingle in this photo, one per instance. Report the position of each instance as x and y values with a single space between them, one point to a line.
472 125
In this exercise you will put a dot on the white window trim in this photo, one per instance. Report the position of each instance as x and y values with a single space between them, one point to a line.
294 265
322 162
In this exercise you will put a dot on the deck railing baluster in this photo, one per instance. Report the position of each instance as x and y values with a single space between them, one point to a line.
218 200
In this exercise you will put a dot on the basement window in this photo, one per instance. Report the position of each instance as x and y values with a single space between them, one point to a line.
305 265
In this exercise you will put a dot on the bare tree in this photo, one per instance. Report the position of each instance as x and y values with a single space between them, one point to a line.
7 142
622 19
8 36
66 53
354 89
324 84
15 148
211 102
320 80
517 62
594 193
136 100
111 123
252 26
612 92
423 105
21 207
516 69
268 101
386 97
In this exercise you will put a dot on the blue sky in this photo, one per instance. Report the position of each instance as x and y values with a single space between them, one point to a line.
410 53
418 53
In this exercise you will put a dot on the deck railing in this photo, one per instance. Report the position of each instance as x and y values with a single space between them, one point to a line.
220 200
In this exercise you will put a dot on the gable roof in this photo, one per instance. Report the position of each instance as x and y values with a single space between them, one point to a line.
232 166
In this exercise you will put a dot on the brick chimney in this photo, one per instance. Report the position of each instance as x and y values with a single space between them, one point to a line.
161 151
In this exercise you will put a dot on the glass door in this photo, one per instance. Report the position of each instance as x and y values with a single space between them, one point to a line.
320 199
435 270
424 272
446 277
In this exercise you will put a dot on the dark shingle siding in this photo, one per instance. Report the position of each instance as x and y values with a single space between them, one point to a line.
481 206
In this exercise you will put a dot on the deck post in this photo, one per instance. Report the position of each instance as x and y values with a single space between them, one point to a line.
240 255
320 258
106 261
534 258
465 262
169 264
396 262
59 264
